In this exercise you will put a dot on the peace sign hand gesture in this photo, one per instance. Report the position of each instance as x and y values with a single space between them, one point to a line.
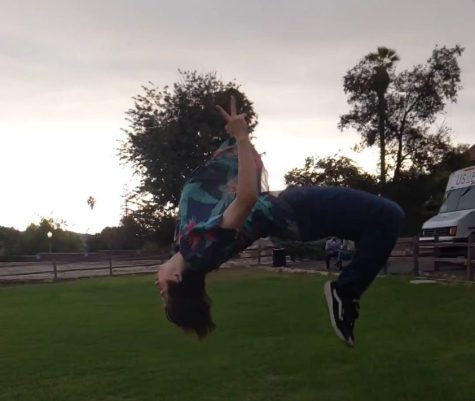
236 123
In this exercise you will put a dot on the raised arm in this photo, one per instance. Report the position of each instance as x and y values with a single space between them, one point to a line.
247 186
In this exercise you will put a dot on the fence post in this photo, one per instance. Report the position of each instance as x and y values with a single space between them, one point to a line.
110 263
258 252
436 254
55 268
385 267
415 256
470 256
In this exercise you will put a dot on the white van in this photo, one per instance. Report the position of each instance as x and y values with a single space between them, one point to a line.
456 218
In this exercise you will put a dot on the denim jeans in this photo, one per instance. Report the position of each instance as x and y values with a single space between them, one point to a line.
372 222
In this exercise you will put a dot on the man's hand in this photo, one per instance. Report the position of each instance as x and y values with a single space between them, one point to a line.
246 195
236 123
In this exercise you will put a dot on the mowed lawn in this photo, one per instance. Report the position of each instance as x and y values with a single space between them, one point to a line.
107 339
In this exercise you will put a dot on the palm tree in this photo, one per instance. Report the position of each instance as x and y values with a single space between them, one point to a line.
91 202
383 60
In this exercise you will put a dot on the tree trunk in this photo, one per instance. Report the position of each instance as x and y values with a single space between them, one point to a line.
382 142
397 170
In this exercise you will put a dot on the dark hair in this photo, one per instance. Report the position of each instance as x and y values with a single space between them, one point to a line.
188 304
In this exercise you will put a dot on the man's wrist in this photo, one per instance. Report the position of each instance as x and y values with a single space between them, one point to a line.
243 139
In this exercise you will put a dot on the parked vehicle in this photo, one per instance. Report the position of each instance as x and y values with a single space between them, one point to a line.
456 218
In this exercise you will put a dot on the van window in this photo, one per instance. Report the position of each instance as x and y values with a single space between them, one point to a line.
458 199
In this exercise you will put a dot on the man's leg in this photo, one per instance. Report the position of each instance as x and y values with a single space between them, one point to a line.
339 263
327 260
372 222
373 248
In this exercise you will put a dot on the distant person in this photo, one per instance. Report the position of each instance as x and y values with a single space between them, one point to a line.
223 209
332 247
345 253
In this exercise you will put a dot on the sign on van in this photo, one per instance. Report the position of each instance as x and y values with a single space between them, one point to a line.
461 179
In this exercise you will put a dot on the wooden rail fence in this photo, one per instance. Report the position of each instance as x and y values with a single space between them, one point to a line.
56 266
460 254
62 266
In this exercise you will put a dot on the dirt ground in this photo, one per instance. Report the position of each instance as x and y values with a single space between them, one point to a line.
44 271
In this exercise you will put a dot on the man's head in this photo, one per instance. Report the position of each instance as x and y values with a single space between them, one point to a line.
186 302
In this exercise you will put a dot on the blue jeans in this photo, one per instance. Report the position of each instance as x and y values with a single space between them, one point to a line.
372 222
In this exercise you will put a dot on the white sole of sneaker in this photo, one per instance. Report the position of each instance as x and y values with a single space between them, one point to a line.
327 293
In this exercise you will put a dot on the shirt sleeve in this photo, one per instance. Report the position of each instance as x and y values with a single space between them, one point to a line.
206 245
206 195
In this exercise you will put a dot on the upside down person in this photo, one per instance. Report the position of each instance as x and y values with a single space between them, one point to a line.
222 211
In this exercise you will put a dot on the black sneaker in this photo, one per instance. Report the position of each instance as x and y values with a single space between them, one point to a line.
343 312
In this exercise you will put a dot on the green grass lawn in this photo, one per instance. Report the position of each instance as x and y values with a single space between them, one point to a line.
107 339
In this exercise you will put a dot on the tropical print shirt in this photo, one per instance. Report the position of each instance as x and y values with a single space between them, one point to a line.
206 195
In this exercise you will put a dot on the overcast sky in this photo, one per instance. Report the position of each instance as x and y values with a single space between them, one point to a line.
68 70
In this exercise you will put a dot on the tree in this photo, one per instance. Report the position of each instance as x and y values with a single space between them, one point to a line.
384 60
133 233
96 242
8 240
336 170
173 131
34 239
91 202
157 226
397 110
111 237
421 194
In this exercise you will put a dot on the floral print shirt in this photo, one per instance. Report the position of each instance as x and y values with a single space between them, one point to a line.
206 195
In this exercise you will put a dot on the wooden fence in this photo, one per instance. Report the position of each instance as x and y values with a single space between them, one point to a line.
57 266
259 253
441 253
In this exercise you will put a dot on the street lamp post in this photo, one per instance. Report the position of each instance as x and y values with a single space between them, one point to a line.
50 235
52 258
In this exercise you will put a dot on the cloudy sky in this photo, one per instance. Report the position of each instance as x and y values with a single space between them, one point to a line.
68 70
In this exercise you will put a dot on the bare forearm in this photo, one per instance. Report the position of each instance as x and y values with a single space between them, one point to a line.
246 195
247 172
